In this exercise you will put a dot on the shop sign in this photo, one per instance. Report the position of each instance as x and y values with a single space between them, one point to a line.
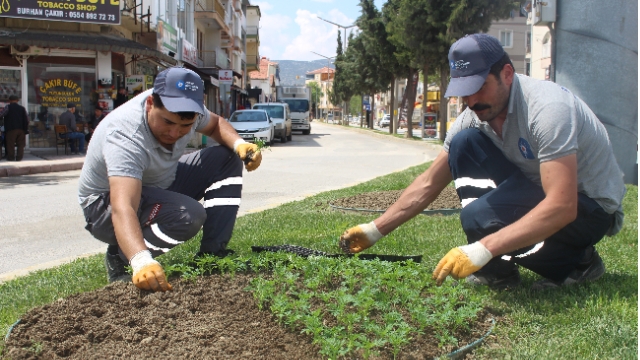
58 92
215 82
225 77
167 38
189 53
92 11
135 83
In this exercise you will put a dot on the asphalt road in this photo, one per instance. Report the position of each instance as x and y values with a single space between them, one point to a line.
41 223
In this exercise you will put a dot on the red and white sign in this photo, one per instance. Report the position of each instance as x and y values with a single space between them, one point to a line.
189 53
225 77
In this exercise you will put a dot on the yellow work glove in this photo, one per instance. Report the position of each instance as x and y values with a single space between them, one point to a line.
249 153
462 261
148 273
359 238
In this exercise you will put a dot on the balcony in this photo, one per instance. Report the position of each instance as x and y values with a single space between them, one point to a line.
211 13
213 59
252 34
237 5
253 62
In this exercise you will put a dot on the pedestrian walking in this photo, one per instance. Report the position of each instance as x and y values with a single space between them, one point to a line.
16 127
535 172
68 118
140 194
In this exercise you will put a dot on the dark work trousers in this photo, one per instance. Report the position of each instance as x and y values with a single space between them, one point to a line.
172 216
495 193
15 138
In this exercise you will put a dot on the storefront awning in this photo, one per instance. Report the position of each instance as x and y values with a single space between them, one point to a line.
79 41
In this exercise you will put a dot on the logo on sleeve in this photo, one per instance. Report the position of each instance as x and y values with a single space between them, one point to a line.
525 149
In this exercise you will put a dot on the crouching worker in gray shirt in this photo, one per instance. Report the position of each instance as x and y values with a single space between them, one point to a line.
535 172
140 194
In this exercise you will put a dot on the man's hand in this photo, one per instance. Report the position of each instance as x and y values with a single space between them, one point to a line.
462 261
249 153
359 238
148 273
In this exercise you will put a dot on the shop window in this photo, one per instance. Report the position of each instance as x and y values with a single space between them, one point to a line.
51 87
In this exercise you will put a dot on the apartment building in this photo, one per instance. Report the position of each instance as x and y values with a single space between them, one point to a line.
265 80
85 53
323 77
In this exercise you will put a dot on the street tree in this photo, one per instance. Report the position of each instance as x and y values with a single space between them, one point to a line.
429 27
316 95
375 57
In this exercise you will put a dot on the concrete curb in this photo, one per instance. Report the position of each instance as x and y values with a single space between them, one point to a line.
54 166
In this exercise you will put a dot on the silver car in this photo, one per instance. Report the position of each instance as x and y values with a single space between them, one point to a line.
252 125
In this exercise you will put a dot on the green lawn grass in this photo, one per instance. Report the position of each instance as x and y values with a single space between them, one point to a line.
592 321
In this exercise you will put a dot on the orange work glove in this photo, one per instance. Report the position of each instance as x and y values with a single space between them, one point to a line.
148 273
462 261
359 238
248 153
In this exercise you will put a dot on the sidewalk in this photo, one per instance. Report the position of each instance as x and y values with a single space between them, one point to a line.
40 161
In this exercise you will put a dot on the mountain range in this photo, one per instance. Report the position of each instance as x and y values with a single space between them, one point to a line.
293 72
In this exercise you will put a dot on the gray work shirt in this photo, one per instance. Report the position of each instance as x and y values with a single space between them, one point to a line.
123 145
545 121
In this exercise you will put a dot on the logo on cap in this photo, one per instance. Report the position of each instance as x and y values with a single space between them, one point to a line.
458 65
186 85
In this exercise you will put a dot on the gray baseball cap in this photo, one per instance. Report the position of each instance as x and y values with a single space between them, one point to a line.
180 90
470 59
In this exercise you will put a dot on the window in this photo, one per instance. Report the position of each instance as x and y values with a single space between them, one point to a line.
527 44
506 38
546 46
200 44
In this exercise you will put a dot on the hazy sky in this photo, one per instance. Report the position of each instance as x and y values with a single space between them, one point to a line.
290 29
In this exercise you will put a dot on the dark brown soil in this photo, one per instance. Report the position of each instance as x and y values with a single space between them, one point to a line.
381 200
212 318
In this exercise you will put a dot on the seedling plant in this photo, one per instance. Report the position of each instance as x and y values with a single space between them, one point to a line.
348 306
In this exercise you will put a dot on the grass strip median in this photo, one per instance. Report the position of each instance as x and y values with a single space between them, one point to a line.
597 320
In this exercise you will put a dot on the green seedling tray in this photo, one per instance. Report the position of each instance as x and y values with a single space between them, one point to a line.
306 252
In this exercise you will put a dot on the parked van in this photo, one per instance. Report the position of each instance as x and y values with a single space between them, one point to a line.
281 116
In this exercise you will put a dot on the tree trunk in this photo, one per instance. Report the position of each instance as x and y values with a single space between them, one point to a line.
425 85
393 127
361 107
412 87
372 106
444 107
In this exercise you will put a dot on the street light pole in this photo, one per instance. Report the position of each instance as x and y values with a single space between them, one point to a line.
344 27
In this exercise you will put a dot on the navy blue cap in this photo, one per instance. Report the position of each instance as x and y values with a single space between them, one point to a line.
470 60
180 90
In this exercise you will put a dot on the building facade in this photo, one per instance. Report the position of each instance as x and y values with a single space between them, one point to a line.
85 53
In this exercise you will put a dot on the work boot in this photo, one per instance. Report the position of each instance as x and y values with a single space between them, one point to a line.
497 275
588 270
116 268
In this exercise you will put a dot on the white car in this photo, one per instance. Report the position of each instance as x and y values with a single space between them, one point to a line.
385 121
252 125
281 116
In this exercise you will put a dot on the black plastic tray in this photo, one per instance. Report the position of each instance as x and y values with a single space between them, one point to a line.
306 252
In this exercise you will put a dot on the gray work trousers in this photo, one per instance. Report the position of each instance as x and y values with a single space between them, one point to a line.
169 217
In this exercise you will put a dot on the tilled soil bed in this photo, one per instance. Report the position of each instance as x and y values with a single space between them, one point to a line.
381 200
211 318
